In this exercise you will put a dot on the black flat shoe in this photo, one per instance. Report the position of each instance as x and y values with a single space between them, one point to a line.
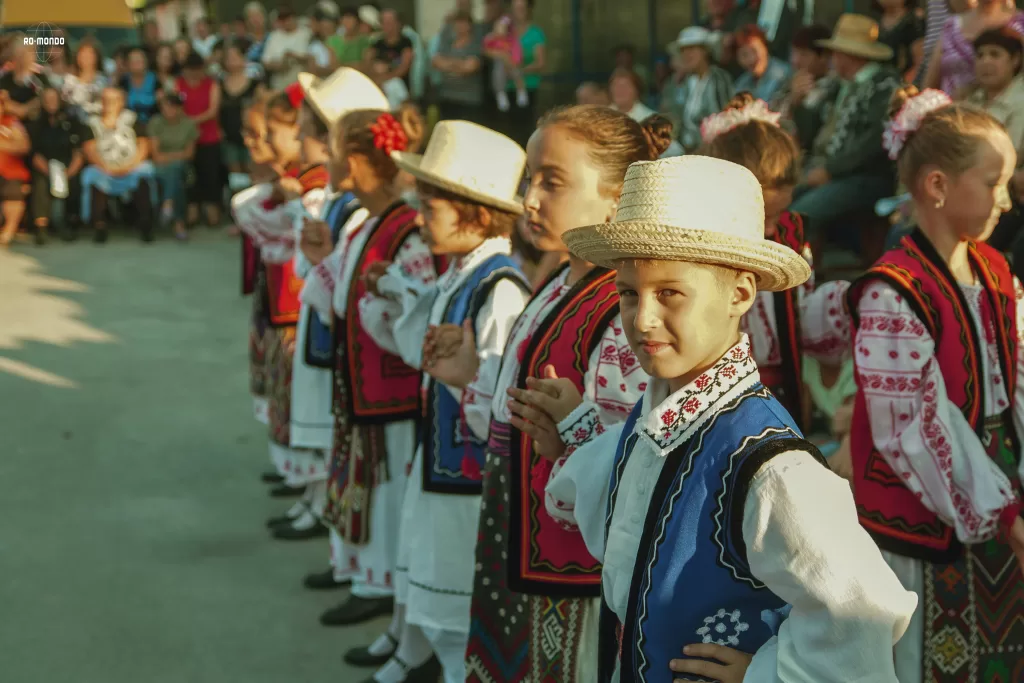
324 581
285 491
363 658
270 477
283 520
427 672
100 237
290 533
357 610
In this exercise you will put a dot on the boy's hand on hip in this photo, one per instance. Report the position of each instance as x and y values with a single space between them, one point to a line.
730 666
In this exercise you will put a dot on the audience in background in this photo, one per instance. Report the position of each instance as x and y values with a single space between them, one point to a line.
200 97
58 64
724 18
284 55
533 44
182 49
390 56
763 74
804 100
592 93
83 88
625 89
57 160
624 57
141 85
165 67
460 90
203 40
23 82
900 27
697 88
348 47
14 145
238 92
256 30
173 138
324 24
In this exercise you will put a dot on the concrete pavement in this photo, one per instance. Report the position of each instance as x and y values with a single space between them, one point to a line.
132 545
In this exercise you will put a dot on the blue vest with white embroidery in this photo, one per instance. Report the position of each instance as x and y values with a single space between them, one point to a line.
691 581
452 456
320 337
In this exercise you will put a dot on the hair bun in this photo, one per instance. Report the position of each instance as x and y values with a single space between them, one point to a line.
658 132
409 117
740 100
899 98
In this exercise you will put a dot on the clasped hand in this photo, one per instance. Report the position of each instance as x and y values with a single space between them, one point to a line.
315 243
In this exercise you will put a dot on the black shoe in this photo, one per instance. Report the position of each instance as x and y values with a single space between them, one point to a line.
363 658
283 520
147 235
284 491
41 236
271 478
69 234
290 533
324 581
427 672
100 236
357 610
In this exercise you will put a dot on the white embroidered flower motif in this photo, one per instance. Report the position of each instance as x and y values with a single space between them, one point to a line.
723 628
908 119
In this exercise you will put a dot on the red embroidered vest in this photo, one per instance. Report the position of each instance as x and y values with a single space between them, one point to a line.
250 262
894 516
544 558
790 389
283 285
380 386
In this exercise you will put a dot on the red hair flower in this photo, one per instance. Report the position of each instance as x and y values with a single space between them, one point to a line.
388 135
295 95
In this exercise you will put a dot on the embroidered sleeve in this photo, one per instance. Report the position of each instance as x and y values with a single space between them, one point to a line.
493 326
407 312
825 326
415 259
1018 390
805 544
924 437
313 202
318 286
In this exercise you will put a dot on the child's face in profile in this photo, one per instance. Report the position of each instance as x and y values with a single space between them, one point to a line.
442 229
284 141
977 198
680 317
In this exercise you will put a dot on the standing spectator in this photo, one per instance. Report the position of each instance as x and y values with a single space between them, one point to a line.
202 39
117 151
200 96
502 43
392 50
325 25
951 66
23 82
780 20
182 49
58 65
348 48
117 67
173 138
491 117
225 32
256 23
803 101
238 92
458 61
56 162
534 47
285 53
166 68
151 41
899 27
141 85
14 145
848 169
698 87
239 29
83 88
722 22
763 74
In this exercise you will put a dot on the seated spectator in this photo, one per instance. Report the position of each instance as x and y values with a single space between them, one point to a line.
225 32
165 67
58 64
172 137
625 89
182 49
899 27
697 89
201 95
203 39
117 68
848 170
324 23
625 58
285 53
83 88
723 19
592 93
460 91
23 82
763 74
14 145
239 30
803 101
117 151
140 85
151 41
349 46
390 55
56 162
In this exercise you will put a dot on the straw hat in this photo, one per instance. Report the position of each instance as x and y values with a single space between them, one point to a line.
343 91
692 208
470 161
857 35
369 15
691 36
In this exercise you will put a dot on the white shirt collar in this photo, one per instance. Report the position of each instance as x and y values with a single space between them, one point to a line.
667 420
459 268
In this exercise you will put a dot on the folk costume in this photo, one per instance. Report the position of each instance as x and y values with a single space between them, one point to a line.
936 453
715 520
534 607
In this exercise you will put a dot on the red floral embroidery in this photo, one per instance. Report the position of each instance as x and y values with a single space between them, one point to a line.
702 382
692 405
668 417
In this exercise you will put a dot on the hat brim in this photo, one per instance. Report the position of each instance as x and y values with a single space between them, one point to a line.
309 83
776 266
680 45
413 165
878 52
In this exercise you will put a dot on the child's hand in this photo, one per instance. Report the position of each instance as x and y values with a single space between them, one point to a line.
441 341
843 419
373 275
541 429
291 187
316 240
556 397
460 367
731 669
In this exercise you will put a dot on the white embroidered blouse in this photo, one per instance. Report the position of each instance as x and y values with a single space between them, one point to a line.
800 529
274 230
923 436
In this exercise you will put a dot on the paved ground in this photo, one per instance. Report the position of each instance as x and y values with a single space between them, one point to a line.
132 546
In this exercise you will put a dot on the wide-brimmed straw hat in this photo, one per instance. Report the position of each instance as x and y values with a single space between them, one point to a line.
691 36
692 208
470 161
344 91
857 35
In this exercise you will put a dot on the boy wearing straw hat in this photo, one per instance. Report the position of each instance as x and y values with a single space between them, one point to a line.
725 539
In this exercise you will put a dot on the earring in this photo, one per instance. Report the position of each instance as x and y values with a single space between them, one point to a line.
941 203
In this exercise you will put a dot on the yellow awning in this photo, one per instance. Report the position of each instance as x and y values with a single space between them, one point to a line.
59 13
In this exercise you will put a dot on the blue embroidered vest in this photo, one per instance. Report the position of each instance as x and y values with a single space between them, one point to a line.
319 337
691 581
453 457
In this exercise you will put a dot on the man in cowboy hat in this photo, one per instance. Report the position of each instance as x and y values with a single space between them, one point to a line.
711 514
847 169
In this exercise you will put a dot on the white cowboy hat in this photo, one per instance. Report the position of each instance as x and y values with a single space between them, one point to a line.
692 208
369 15
691 36
470 161
857 35
344 91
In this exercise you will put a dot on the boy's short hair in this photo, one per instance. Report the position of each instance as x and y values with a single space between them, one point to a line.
503 223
